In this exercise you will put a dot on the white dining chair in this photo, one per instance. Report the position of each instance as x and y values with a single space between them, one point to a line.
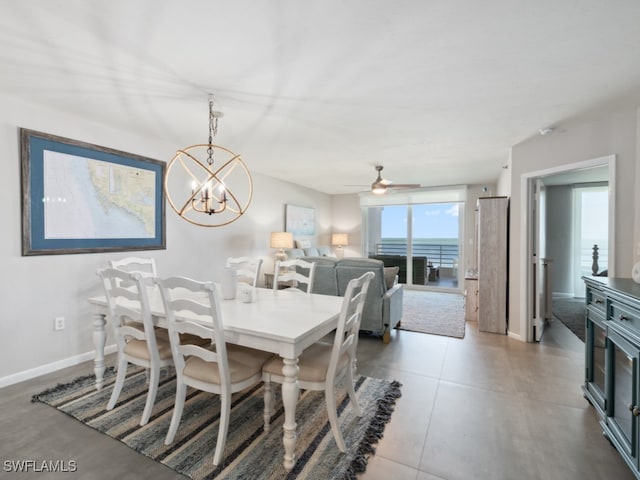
218 368
145 266
247 269
289 272
137 340
323 365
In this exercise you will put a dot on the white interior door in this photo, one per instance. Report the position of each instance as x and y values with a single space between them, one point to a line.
538 243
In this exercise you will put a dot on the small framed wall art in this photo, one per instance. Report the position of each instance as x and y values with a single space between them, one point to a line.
299 221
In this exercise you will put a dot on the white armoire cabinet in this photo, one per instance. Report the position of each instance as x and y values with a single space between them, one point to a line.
493 252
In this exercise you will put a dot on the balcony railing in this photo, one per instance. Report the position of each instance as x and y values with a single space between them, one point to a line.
439 255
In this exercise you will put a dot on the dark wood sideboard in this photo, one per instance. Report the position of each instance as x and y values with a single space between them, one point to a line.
612 361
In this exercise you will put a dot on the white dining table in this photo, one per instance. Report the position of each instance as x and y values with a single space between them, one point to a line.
280 321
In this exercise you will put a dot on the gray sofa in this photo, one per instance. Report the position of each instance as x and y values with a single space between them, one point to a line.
420 267
383 305
309 252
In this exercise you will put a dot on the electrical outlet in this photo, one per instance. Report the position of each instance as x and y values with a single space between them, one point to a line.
58 323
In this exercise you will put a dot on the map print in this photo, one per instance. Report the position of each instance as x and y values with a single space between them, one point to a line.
86 198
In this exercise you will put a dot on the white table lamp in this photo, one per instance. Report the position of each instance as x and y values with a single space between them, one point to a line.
339 240
281 240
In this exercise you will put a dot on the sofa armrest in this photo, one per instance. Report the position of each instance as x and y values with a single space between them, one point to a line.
392 306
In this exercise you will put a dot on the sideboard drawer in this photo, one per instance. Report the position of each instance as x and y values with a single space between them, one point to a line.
625 315
597 300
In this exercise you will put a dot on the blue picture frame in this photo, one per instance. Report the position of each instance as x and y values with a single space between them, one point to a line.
84 198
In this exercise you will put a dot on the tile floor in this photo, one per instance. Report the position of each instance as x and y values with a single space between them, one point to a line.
484 407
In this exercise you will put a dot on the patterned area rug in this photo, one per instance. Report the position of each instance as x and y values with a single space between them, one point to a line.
570 311
249 452
433 312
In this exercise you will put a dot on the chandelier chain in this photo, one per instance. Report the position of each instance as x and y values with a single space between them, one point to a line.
213 130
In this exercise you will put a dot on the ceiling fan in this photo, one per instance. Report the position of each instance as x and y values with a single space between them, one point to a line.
380 185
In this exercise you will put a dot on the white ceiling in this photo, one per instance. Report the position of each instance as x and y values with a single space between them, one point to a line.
317 92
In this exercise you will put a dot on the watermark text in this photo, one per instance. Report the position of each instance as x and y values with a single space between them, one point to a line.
40 466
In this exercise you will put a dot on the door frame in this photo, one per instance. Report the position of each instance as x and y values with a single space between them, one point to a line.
538 257
526 230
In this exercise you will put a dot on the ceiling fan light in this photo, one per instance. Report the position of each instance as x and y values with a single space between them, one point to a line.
378 188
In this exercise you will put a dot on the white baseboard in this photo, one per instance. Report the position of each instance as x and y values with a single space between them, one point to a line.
515 336
53 367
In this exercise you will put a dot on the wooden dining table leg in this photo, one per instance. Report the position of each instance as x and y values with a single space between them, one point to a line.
290 392
99 340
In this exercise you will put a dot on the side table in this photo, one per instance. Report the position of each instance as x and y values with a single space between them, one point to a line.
268 280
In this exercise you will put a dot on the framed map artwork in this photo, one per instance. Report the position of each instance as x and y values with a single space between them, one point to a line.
83 198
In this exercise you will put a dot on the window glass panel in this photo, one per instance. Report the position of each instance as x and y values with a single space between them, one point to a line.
594 227
599 346
622 394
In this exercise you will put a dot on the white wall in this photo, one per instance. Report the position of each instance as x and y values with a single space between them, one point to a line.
34 290
347 218
592 136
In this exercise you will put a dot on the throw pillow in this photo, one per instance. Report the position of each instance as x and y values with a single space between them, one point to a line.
390 276
306 243
311 252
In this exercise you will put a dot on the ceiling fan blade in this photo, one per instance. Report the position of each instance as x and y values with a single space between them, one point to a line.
404 185
380 185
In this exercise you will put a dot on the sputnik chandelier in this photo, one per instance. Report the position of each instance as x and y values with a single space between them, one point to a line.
212 183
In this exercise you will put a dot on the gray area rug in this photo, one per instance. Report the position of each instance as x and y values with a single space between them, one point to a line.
570 311
433 312
250 452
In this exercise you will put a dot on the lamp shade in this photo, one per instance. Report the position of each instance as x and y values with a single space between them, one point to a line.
339 239
281 240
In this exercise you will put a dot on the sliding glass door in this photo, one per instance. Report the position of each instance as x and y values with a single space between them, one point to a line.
423 240
435 243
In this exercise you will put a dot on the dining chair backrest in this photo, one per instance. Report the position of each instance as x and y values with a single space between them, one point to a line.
192 308
290 272
247 269
128 307
130 314
346 335
146 267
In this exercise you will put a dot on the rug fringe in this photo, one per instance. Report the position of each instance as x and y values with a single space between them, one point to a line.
63 387
375 431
